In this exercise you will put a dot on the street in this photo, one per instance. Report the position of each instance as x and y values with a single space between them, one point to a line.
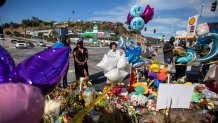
95 56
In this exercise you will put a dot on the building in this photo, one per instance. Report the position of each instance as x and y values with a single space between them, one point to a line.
52 32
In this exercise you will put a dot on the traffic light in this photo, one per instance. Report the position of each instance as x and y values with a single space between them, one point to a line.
145 29
2 2
155 30
213 7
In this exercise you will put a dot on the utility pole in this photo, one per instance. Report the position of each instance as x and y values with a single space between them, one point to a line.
202 6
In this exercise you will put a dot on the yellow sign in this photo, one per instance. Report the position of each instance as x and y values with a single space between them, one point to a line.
192 21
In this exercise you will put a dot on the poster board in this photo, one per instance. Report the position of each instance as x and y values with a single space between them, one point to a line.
179 93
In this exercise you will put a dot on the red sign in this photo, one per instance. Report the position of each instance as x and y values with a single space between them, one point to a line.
192 29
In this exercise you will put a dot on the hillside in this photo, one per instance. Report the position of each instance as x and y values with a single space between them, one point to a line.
20 29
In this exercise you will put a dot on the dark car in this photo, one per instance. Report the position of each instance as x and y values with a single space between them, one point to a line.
30 44
13 41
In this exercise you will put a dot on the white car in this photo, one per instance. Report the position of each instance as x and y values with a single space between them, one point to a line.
42 44
21 44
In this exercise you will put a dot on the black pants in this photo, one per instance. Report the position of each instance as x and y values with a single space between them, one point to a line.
65 78
180 71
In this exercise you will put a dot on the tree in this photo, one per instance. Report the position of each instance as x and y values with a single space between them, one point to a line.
25 24
6 25
35 21
40 34
8 32
14 25
2 2
18 34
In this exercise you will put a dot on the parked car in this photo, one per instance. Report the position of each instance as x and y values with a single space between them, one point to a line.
13 41
21 44
2 37
42 44
30 44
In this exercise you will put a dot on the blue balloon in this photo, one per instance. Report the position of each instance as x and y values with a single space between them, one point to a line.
182 60
58 45
136 11
137 24
130 43
192 55
156 82
121 42
138 51
133 55
189 58
204 41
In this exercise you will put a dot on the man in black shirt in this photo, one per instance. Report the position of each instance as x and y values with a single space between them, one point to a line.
168 51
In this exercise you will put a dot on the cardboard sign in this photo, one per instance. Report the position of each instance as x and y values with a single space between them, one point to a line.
179 93
189 68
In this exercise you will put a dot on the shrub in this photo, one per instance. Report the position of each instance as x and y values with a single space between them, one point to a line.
18 34
8 32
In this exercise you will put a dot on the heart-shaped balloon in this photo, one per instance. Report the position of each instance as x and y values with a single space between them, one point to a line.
44 69
20 103
148 14
6 65
129 18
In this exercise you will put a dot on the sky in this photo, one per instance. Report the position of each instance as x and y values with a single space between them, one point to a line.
169 15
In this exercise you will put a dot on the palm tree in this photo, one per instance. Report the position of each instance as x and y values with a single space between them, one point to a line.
12 27
25 24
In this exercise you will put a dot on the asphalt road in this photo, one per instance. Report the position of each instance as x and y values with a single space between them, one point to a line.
95 56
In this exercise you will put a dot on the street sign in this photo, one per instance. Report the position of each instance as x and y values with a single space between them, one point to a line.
192 23
95 29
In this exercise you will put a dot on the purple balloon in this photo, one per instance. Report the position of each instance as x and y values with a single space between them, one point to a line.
152 75
148 14
129 19
6 65
44 69
20 103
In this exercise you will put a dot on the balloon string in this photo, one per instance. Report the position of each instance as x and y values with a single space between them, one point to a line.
78 118
150 83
